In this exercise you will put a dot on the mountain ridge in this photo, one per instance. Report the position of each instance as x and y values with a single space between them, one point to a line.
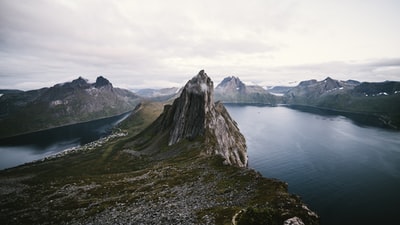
154 174
62 104
377 103
370 103
194 114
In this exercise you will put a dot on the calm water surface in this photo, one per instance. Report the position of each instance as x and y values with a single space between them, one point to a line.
347 173
37 145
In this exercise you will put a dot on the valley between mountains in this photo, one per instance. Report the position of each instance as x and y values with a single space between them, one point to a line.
178 159
180 163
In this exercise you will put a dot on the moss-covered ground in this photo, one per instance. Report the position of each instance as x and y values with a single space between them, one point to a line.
123 182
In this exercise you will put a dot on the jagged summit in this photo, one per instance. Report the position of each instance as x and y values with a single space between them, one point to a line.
200 84
78 83
307 82
328 79
190 109
82 83
195 114
101 82
62 104
232 83
330 84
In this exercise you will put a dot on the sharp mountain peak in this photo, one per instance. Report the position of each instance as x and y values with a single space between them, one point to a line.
231 82
101 82
195 114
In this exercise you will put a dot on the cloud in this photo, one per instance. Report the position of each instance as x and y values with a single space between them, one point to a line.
136 43
377 70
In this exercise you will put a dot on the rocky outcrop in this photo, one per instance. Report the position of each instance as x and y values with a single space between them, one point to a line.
194 114
77 83
293 221
102 82
139 179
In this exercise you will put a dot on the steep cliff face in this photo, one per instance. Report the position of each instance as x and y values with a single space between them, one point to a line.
139 179
195 114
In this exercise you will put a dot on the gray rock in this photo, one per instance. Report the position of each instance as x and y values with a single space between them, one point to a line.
293 221
195 114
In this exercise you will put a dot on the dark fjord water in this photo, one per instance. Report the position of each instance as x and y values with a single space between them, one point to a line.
347 173
37 145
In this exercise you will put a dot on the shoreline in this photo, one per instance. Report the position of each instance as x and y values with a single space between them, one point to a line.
5 138
79 148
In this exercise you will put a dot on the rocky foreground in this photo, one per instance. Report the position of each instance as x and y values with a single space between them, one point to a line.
188 189
200 177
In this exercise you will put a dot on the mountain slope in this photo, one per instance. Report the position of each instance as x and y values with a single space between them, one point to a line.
311 91
377 102
233 90
147 179
194 114
62 104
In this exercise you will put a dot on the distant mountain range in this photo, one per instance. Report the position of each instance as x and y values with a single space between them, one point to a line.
178 162
185 164
310 91
62 104
233 90
195 114
158 95
379 101
79 101
371 103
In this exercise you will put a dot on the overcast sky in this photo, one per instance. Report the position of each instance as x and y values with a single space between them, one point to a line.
152 43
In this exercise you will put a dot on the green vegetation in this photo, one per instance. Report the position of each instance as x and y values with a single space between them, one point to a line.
140 179
257 216
377 110
376 104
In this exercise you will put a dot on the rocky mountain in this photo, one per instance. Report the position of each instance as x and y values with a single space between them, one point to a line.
183 163
62 104
377 103
233 90
386 88
311 90
195 114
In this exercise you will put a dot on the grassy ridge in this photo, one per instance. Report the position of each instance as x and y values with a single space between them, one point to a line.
127 181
